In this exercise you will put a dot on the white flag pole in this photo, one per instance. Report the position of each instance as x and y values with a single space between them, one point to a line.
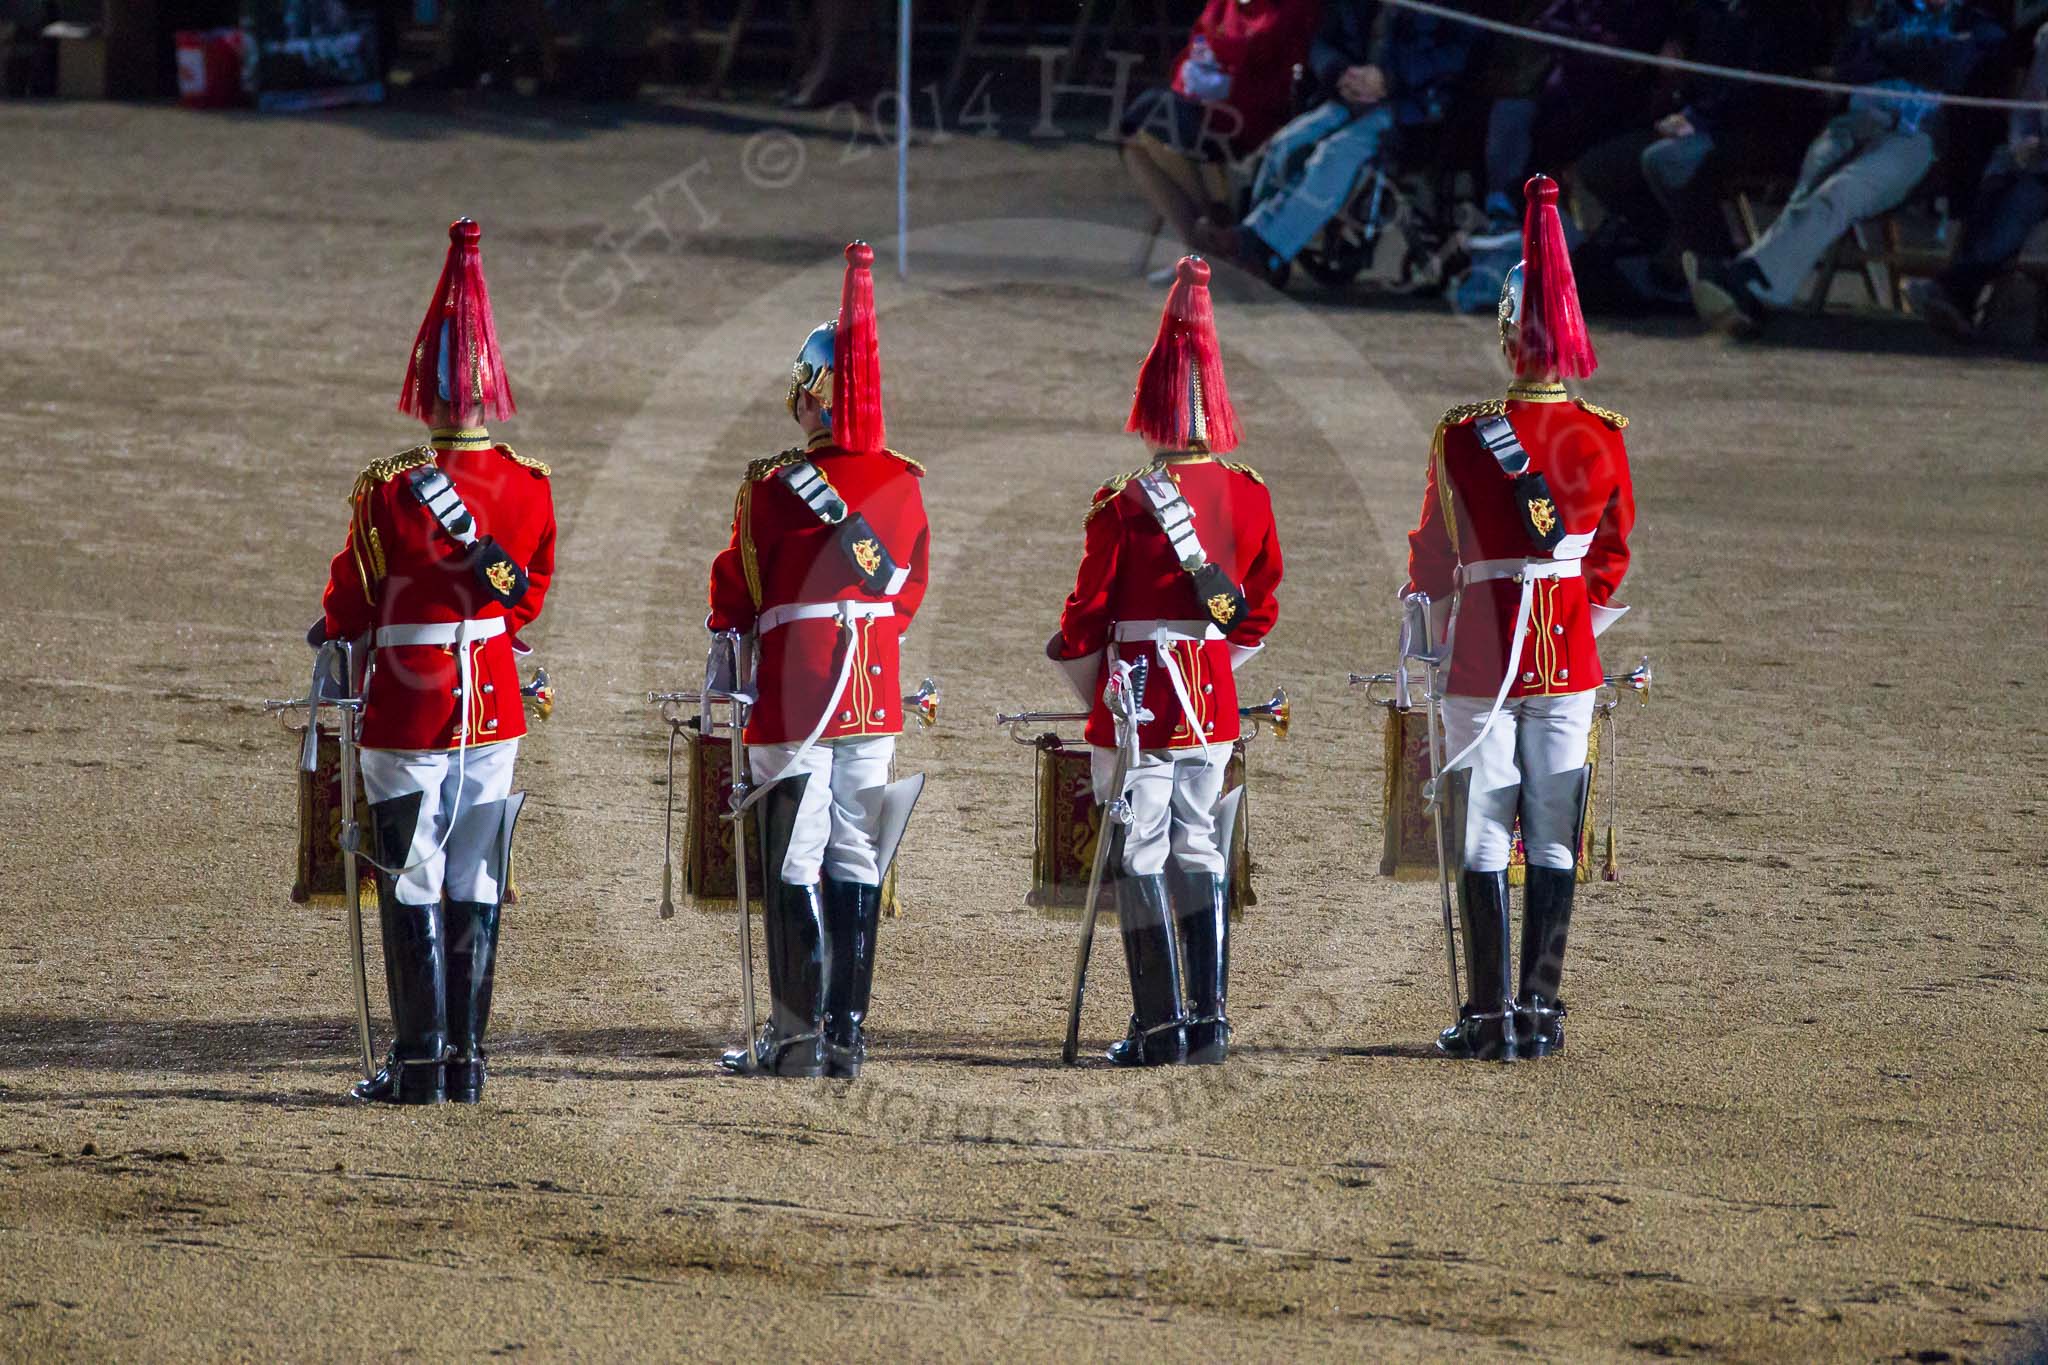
903 138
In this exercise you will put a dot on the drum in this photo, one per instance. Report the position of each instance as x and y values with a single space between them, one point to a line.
709 876
1409 850
317 877
1067 822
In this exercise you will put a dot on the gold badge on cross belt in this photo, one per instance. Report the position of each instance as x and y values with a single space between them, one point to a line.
868 555
1222 608
1543 516
501 576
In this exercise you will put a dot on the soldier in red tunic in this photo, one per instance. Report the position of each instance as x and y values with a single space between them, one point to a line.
449 555
1525 526
1177 578
825 570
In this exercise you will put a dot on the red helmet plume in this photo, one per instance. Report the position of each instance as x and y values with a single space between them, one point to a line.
456 358
857 358
1181 402
1553 337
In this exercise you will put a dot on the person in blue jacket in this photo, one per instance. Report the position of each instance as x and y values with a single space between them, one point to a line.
1866 161
1377 69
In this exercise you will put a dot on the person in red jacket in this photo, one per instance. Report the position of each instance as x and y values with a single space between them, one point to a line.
1232 88
826 568
1525 526
1178 579
450 552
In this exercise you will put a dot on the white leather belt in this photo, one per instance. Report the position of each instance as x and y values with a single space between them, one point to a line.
440 632
776 617
1159 632
1522 570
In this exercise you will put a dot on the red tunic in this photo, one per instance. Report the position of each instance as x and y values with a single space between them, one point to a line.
399 568
782 555
1129 575
1469 516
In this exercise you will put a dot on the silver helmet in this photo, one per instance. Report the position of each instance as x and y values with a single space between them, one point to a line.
812 372
1510 302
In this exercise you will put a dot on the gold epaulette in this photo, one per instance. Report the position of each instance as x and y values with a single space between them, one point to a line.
1107 494
1465 412
915 467
390 467
760 469
524 461
1245 470
1607 415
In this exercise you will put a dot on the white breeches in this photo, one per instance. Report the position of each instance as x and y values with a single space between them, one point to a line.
1173 795
465 867
841 813
1530 762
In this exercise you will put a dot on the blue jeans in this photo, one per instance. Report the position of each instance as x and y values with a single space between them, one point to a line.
2010 202
1309 170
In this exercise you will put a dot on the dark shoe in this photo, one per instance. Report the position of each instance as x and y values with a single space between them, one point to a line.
1166 1045
853 914
1485 1027
415 976
1539 1025
1930 299
403 1082
1724 294
1158 1032
1487 1037
472 971
1217 239
1203 903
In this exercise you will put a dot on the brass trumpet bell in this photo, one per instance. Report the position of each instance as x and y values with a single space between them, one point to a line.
924 703
1274 713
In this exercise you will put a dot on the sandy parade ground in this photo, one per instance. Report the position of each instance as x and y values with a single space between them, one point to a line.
1802 1114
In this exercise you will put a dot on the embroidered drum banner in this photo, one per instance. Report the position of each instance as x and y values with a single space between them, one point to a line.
1408 853
1067 823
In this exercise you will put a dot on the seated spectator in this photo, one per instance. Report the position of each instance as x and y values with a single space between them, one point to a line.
1573 99
2011 201
1865 161
1377 69
1660 184
1232 86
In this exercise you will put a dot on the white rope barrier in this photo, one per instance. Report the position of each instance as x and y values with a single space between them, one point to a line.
1726 73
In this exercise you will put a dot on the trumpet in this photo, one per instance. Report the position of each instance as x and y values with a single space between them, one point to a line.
1272 714
1636 680
921 706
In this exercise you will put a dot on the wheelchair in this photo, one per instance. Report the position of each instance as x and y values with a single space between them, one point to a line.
1397 195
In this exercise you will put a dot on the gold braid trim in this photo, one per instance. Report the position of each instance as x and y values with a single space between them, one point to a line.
1445 494
390 467
1245 470
915 467
524 461
1465 412
1107 494
760 469
363 541
1607 415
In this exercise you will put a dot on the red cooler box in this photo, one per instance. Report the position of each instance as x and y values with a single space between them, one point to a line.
210 68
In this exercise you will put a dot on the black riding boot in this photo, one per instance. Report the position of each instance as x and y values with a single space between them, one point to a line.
1204 909
853 913
416 974
791 1043
1485 1029
1158 1034
472 967
1546 920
